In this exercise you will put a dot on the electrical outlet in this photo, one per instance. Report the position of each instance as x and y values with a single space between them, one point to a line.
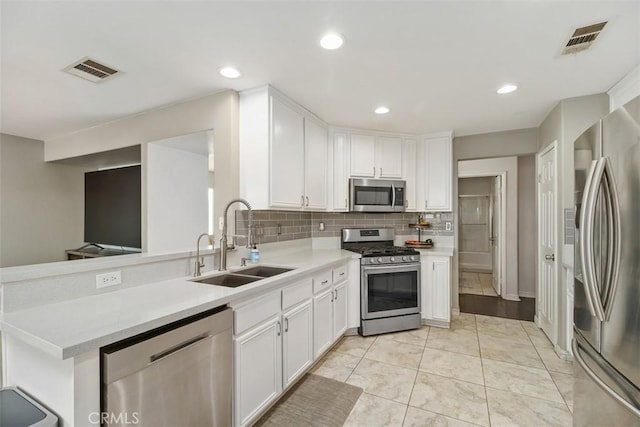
108 279
220 223
447 225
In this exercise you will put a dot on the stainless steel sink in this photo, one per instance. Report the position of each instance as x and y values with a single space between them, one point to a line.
229 280
263 271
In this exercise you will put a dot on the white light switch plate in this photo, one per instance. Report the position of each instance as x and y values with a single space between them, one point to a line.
108 279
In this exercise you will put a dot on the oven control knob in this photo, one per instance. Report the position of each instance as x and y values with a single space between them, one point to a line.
404 258
392 259
379 259
414 258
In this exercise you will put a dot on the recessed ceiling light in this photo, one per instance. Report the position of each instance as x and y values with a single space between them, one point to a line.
229 72
508 88
331 41
381 110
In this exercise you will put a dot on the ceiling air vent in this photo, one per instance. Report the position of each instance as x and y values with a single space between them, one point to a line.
583 38
92 70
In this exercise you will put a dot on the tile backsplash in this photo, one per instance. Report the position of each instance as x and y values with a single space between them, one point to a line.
279 226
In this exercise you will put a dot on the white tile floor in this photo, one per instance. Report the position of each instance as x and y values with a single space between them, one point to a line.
485 371
476 283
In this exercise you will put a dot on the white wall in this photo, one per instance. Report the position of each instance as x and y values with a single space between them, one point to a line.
491 167
41 204
218 112
527 227
177 205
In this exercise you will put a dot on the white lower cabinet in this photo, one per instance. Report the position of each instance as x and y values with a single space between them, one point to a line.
329 309
322 321
279 335
258 369
436 290
297 342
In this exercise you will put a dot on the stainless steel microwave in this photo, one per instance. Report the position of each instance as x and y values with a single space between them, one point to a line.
376 195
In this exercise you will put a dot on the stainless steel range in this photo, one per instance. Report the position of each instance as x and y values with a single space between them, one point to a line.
389 281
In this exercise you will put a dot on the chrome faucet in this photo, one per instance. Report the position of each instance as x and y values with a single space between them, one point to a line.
200 261
223 241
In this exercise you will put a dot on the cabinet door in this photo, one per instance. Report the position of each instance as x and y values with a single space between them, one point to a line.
315 165
389 157
438 174
339 310
340 173
362 154
258 369
441 289
297 343
409 173
322 322
287 156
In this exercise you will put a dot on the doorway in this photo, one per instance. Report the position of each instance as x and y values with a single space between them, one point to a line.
479 236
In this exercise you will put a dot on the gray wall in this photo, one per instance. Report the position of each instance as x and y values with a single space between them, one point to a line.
475 186
564 124
527 226
41 204
496 144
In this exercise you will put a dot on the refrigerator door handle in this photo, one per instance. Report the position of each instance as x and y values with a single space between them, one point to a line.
611 392
615 233
589 199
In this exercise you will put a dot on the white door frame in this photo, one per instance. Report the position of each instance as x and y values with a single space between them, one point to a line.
554 308
503 218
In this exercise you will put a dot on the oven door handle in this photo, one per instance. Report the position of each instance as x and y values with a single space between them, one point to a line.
393 267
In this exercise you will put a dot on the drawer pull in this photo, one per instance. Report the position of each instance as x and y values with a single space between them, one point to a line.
324 282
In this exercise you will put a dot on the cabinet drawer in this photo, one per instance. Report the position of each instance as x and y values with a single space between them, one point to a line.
299 292
256 311
340 273
322 280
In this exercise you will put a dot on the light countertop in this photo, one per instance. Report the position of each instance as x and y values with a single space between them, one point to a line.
69 328
437 251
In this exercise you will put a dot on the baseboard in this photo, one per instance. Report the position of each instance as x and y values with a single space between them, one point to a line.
511 297
563 354
350 332
527 294
455 312
475 268
436 323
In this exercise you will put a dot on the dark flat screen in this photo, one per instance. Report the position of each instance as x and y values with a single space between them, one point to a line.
112 207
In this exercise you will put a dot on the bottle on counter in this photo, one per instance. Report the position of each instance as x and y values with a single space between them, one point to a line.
255 254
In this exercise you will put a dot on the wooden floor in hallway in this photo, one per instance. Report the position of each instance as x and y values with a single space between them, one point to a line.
495 306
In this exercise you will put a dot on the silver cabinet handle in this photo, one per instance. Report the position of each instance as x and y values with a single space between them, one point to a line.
286 324
374 171
345 202
576 353
307 200
336 294
380 171
279 328
425 203
302 200
551 257
324 282
332 296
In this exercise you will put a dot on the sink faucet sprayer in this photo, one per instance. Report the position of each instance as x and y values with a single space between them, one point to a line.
200 261
223 241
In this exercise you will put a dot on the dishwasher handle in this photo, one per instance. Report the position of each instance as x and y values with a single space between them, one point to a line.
168 352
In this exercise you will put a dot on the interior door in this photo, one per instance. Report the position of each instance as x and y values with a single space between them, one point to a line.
546 310
496 212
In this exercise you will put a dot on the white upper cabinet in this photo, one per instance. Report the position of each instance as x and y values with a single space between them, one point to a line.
283 153
340 175
409 153
435 173
287 131
363 155
315 164
389 157
375 156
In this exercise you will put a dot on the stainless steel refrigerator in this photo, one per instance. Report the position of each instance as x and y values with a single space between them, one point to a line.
606 342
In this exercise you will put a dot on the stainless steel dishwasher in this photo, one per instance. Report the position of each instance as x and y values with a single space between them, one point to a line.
179 375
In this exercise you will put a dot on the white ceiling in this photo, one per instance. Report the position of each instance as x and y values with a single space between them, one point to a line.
436 65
